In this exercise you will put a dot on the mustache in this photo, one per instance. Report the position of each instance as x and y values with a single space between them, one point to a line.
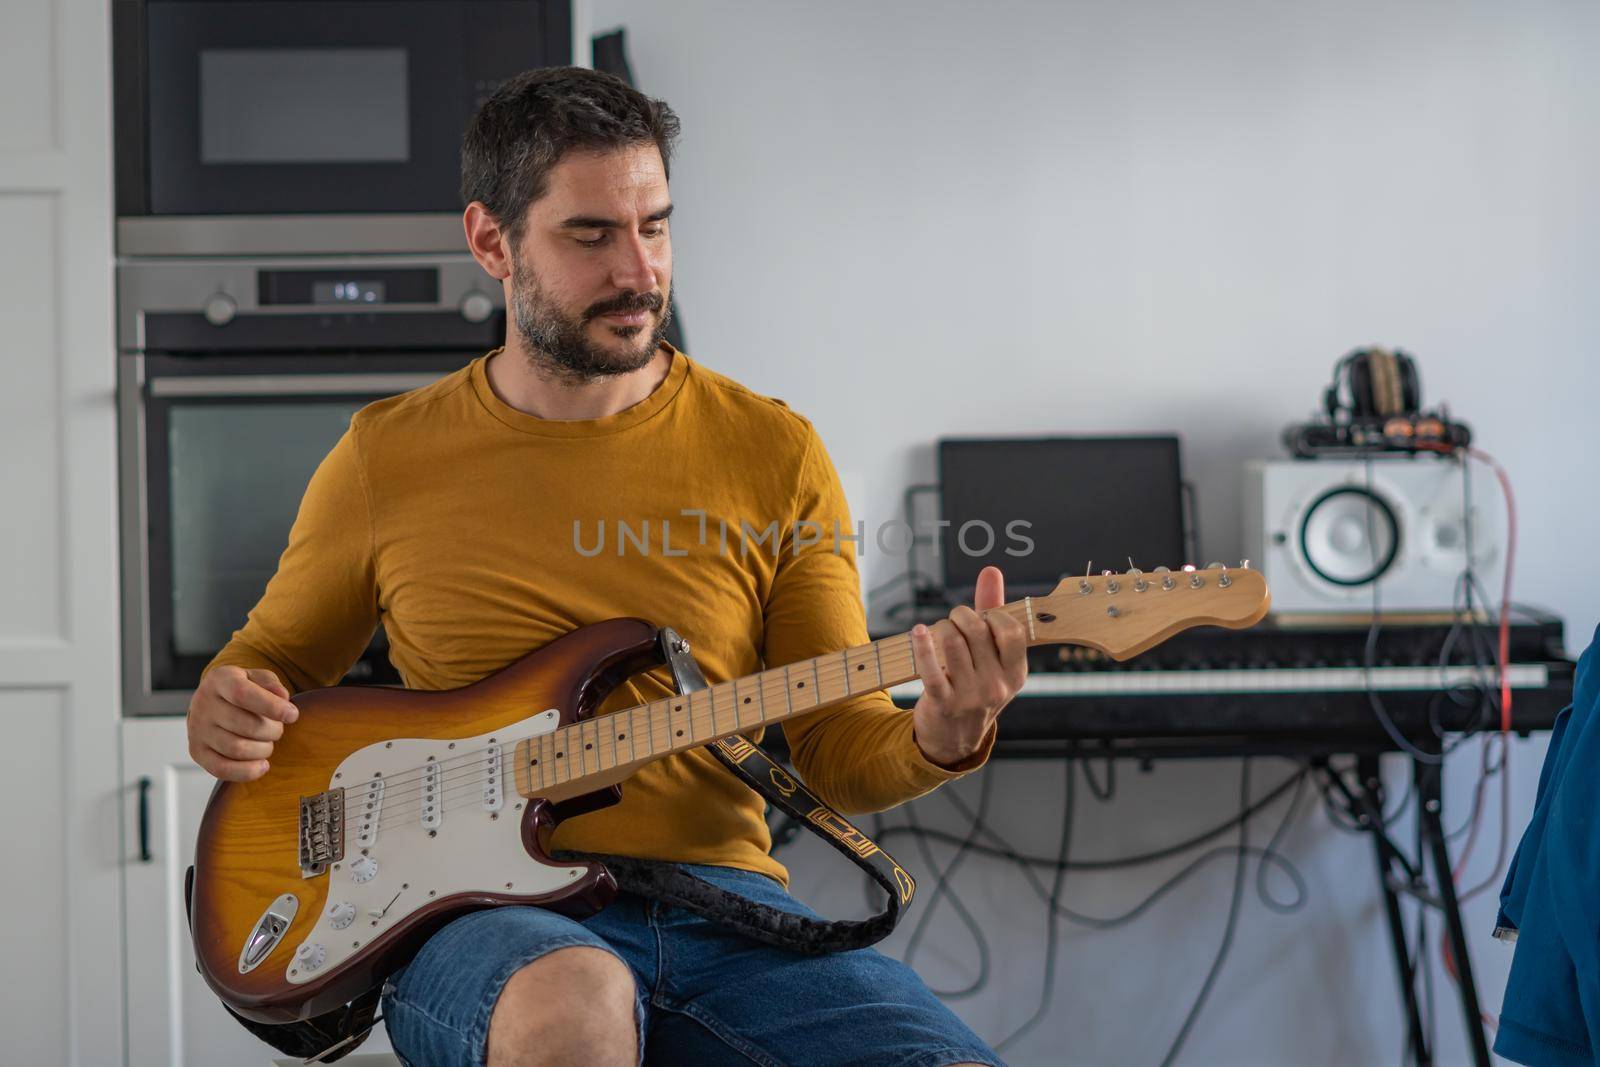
625 302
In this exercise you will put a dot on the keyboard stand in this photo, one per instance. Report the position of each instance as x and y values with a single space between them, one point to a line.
1396 877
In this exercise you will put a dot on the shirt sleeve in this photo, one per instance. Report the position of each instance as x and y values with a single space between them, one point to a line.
320 609
859 755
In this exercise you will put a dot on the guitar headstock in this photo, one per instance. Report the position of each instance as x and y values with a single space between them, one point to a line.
1124 614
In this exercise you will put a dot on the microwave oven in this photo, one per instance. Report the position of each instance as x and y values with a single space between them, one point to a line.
306 126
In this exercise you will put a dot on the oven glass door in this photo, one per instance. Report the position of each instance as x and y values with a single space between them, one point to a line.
288 107
228 452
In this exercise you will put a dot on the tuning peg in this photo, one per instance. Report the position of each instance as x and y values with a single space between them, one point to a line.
1244 564
1224 581
1139 584
1166 577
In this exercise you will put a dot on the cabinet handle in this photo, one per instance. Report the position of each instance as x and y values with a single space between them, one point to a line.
144 820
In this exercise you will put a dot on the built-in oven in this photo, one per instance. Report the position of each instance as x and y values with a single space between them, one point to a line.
236 123
235 378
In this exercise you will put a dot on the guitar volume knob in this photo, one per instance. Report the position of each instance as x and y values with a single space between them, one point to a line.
341 914
364 869
310 956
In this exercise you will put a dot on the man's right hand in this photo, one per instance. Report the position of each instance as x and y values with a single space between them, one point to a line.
234 718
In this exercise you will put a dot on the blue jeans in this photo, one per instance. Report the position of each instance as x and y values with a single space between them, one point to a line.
704 995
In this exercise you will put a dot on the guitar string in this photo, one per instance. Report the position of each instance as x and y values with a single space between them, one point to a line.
411 782
699 718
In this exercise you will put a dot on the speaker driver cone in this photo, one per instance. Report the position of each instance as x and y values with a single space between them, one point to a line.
1349 536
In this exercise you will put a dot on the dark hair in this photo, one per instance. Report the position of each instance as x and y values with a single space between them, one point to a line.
535 118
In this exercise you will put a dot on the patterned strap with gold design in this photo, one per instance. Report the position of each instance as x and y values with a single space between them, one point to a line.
800 933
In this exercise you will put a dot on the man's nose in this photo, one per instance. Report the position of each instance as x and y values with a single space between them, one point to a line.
634 266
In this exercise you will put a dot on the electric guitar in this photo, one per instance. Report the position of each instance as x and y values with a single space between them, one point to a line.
389 812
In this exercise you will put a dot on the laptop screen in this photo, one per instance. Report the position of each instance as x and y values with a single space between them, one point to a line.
1040 508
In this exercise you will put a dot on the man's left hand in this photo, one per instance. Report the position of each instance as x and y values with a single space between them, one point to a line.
971 665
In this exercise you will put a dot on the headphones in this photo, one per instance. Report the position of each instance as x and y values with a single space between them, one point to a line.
1381 384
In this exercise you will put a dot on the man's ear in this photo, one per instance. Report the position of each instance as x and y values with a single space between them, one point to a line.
488 243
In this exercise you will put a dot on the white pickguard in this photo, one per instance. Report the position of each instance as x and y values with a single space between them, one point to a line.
476 845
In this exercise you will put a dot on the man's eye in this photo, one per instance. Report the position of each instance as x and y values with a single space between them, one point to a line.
654 231
594 243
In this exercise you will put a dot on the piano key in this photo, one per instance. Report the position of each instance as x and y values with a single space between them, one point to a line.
1271 680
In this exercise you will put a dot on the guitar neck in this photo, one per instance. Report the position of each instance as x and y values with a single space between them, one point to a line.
674 724
1119 614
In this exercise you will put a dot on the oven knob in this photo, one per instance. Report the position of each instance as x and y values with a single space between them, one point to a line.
477 306
220 309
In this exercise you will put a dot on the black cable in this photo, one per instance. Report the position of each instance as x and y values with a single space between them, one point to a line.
1266 898
1052 930
942 890
1109 790
1370 655
1229 926
1003 849
1193 540
1026 864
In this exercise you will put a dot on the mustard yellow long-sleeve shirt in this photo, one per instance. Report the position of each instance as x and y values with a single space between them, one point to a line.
472 532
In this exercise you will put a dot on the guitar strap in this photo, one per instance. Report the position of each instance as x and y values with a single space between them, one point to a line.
334 1035
671 884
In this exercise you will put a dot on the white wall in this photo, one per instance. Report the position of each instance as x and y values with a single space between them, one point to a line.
912 220
60 945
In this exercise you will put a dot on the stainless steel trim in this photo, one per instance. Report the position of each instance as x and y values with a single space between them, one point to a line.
135 546
288 384
238 235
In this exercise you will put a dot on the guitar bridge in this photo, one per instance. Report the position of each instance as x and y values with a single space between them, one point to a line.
321 831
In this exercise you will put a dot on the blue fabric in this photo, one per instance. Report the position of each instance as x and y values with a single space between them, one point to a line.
1551 897
704 995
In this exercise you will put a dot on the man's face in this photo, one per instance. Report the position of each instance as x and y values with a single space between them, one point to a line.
591 277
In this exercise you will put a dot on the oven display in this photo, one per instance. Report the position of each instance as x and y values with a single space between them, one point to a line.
347 292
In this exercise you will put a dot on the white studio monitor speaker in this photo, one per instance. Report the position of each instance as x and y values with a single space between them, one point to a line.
1340 537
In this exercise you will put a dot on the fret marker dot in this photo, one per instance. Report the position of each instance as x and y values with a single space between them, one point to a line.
799 685
747 700
680 733
588 746
621 736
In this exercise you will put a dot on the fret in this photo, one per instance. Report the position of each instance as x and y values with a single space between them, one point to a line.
730 710
700 712
816 684
858 664
877 658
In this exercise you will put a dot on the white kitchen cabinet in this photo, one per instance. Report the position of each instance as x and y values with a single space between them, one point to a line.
173 1017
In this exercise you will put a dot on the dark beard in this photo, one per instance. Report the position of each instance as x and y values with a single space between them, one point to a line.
556 343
